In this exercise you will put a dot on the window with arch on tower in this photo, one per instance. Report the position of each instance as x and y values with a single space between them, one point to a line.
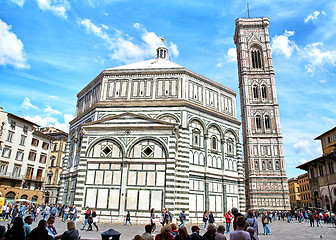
255 92
258 122
263 92
214 143
230 146
267 122
256 58
196 138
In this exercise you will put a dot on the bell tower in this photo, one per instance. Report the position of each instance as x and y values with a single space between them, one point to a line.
265 173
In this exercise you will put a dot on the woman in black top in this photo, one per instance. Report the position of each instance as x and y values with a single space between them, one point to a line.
16 232
40 232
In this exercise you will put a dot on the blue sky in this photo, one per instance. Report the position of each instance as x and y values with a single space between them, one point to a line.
51 49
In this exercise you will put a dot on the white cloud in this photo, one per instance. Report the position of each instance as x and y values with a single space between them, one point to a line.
49 110
282 45
11 48
313 16
303 146
232 54
28 105
317 56
123 48
105 27
51 121
302 161
57 7
18 2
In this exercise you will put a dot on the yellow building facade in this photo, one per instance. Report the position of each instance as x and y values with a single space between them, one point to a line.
294 194
304 190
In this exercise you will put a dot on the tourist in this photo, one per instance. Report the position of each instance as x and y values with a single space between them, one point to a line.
53 211
66 213
183 234
22 211
235 214
40 232
73 214
165 233
311 219
211 218
210 233
169 217
253 236
148 233
94 218
265 222
87 214
240 233
174 232
205 218
153 220
72 233
15 212
228 220
128 218
138 237
195 233
16 232
252 222
220 233
52 231
182 218
26 227
163 217
46 212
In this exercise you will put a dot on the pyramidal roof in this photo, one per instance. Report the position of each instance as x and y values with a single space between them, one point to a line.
152 63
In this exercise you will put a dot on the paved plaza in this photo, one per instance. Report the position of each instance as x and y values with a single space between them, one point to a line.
279 230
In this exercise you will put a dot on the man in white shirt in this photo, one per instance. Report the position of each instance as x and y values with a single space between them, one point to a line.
52 231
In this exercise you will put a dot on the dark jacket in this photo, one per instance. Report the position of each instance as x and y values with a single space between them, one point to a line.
38 233
195 236
70 235
235 220
211 218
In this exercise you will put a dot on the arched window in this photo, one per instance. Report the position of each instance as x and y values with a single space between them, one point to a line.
263 92
270 165
277 166
267 122
256 58
196 138
263 165
256 165
255 92
214 143
230 146
258 122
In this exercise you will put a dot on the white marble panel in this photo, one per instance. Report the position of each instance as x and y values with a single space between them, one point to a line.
131 178
215 187
201 185
135 167
116 177
156 200
141 178
160 179
115 166
93 166
210 187
235 202
102 198
212 203
131 200
229 204
91 195
114 199
191 184
151 178
192 202
160 167
144 200
108 178
200 203
90 177
104 166
196 185
219 203
149 167
99 177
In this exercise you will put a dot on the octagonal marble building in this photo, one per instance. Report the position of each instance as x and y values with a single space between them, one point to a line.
154 134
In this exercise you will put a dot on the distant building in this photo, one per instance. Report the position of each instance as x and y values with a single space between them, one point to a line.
265 171
321 173
304 190
294 194
55 161
24 152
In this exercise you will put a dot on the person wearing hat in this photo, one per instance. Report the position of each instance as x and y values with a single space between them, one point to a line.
195 233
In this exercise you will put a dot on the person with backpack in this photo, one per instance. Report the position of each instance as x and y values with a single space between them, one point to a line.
252 222
265 221
211 218
183 217
86 216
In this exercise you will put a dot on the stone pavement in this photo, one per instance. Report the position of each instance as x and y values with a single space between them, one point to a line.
280 230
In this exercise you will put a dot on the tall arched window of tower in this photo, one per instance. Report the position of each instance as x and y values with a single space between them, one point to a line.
263 92
255 92
214 142
258 122
267 122
256 60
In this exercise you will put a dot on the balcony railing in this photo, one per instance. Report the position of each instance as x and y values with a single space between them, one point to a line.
11 175
34 178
